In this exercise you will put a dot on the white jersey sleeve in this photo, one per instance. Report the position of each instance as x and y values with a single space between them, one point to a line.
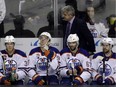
22 65
1 65
114 76
63 66
86 74
95 63
31 66
2 10
54 63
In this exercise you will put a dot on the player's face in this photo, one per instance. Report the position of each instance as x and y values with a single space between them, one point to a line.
9 46
90 12
106 47
66 16
72 45
43 40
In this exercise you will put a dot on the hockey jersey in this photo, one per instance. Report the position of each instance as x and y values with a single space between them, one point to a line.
81 58
38 62
15 62
98 30
110 65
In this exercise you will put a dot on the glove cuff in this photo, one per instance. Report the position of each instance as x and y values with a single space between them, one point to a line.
79 80
37 79
99 79
2 79
109 81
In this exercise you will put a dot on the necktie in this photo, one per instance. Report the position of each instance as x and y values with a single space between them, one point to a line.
66 33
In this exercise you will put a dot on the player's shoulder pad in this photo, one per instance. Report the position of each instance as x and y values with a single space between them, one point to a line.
65 50
20 53
114 55
3 51
84 52
34 50
54 49
98 54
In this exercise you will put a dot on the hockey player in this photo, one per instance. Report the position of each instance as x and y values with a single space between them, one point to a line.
74 63
43 62
12 61
104 64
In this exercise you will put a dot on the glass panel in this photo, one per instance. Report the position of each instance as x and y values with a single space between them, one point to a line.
35 13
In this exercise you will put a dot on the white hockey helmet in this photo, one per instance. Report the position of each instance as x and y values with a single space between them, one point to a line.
73 38
9 39
46 34
107 40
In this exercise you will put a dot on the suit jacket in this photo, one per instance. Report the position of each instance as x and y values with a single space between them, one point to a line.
86 40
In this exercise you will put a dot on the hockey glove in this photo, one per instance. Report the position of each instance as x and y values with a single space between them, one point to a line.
50 54
78 81
99 79
109 81
38 80
5 81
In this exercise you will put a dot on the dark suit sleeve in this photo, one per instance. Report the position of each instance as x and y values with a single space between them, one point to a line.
87 36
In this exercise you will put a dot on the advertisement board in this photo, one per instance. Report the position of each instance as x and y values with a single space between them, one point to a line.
26 44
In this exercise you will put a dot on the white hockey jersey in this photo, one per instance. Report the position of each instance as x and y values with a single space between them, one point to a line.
110 65
2 10
81 58
38 62
16 61
98 30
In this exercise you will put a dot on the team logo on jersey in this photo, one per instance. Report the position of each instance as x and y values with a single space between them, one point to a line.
42 63
74 62
10 65
108 69
94 32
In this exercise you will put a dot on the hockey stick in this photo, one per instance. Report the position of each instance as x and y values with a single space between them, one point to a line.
47 71
4 69
103 70
72 66
46 47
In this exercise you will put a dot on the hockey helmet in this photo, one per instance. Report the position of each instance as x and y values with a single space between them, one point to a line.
107 40
46 34
9 39
73 38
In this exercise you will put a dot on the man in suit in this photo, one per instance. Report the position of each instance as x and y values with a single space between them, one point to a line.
78 26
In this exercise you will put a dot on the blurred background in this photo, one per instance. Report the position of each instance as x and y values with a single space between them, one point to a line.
35 11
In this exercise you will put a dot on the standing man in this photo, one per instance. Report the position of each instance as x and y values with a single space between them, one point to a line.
74 63
104 64
2 16
75 25
12 64
43 62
